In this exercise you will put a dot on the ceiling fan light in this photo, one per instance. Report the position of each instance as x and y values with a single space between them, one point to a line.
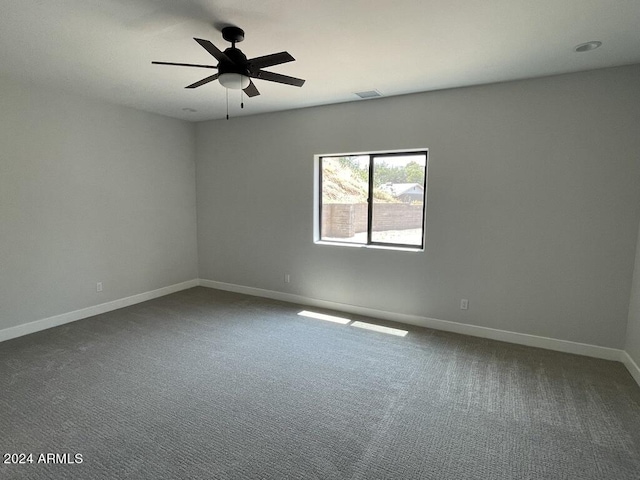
234 81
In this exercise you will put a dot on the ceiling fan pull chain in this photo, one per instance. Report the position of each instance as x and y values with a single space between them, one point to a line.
241 99
227 103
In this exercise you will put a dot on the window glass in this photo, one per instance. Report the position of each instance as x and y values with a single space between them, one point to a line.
398 199
345 185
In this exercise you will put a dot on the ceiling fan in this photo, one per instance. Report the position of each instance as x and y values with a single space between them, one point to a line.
235 71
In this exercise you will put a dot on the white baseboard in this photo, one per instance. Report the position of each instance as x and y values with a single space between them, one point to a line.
632 366
455 327
43 324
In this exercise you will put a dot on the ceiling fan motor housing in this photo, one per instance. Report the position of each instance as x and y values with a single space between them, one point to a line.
238 62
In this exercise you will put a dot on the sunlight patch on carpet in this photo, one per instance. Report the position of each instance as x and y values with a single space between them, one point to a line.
380 328
322 316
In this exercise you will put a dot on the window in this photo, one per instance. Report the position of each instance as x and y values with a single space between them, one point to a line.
372 199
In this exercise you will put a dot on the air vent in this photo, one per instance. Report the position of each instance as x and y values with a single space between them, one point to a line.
369 94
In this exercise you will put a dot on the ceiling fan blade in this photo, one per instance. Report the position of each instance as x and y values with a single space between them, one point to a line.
276 77
270 60
184 64
251 90
213 50
203 81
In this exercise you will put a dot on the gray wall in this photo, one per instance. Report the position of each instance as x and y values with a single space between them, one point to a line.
533 204
633 329
89 192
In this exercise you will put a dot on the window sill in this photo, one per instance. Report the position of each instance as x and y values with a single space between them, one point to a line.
374 247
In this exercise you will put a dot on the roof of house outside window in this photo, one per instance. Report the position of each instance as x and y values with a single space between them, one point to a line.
399 189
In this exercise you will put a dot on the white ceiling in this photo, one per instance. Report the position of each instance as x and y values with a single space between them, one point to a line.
104 48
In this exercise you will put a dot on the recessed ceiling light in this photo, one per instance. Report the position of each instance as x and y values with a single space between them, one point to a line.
588 46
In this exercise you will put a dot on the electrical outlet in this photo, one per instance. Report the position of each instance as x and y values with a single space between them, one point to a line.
99 287
464 304
287 278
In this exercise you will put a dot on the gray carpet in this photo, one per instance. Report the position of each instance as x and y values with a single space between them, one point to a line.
205 384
